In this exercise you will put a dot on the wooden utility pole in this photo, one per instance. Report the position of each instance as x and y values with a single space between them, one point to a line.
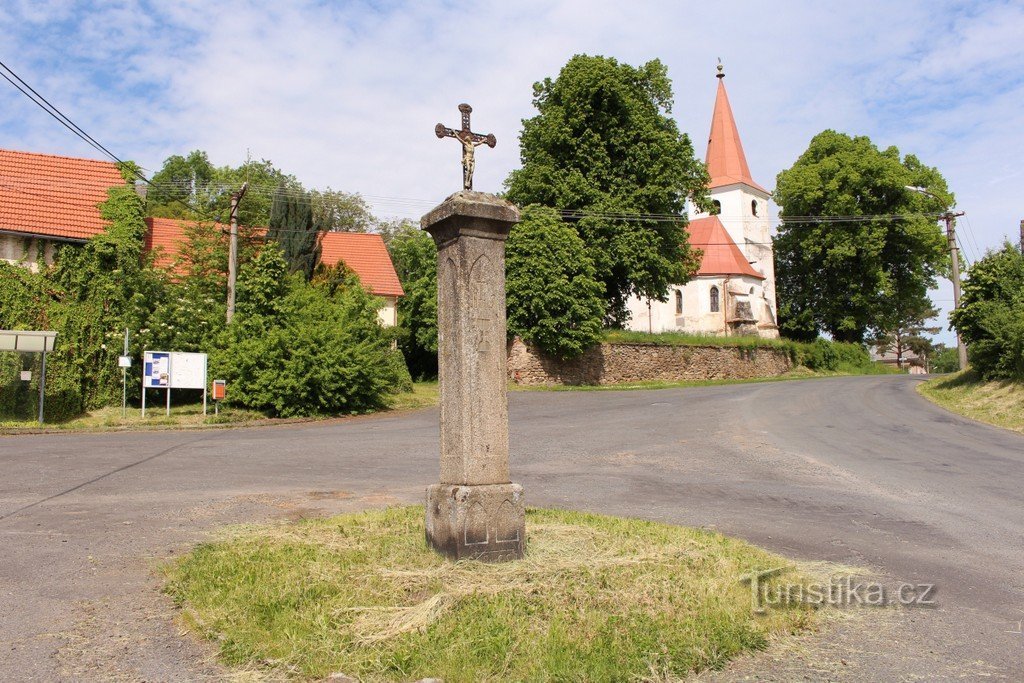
233 250
1022 237
954 253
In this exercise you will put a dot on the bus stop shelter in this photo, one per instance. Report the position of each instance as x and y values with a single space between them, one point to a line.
31 341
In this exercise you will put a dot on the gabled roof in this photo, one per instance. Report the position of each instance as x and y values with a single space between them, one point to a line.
721 255
726 162
42 194
365 254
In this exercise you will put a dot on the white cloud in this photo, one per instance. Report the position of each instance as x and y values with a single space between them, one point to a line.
347 95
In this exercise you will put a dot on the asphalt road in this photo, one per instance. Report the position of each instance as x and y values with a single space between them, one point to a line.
860 471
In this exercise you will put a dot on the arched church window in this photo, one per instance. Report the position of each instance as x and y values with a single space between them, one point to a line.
714 299
751 290
753 206
716 207
679 302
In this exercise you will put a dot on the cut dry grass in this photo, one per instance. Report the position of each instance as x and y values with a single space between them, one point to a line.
596 599
997 403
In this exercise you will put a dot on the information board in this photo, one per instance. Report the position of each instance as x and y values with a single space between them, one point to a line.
173 370
188 370
156 370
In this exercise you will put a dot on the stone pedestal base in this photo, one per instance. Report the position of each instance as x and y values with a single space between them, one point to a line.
484 522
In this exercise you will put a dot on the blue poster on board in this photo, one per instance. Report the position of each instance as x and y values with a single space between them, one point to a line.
156 373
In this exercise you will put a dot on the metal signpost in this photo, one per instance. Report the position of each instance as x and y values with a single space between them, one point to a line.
124 362
31 341
173 370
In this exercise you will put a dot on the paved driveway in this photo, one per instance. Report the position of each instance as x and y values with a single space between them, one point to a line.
857 470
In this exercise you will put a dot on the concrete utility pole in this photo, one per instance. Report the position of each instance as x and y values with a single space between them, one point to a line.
233 250
954 253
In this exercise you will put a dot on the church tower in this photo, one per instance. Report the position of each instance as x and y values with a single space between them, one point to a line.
741 204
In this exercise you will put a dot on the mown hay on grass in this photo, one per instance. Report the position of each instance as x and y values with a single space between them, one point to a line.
596 598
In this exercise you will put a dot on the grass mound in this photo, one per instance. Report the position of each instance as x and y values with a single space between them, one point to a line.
597 599
1000 403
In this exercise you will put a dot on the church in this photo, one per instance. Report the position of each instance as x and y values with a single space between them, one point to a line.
733 292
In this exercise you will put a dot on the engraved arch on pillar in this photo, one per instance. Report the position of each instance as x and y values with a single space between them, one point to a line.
480 274
505 522
474 530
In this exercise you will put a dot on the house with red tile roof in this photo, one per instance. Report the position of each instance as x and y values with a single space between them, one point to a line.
733 291
46 200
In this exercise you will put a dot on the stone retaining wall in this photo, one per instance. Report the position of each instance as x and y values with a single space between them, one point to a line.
620 363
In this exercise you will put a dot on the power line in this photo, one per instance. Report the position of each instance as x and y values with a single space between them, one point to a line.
65 121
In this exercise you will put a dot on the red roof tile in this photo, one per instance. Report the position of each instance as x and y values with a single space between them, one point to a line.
366 255
721 255
42 194
725 159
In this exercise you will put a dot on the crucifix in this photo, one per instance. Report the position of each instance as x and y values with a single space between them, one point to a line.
469 140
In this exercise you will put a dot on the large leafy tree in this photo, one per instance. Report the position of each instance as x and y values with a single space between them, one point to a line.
554 300
415 257
990 319
340 211
293 228
856 277
192 187
603 143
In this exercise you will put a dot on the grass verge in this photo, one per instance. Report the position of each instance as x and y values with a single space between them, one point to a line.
597 598
965 393
190 416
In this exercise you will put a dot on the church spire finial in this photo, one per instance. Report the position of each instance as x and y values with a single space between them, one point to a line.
721 69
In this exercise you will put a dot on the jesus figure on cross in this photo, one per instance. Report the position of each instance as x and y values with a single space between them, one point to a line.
470 141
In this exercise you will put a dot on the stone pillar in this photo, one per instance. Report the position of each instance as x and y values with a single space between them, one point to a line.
476 511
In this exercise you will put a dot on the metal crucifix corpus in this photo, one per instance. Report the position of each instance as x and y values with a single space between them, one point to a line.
469 140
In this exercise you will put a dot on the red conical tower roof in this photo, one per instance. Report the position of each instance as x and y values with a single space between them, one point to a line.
726 162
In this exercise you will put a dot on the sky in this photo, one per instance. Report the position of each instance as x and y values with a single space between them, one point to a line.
346 94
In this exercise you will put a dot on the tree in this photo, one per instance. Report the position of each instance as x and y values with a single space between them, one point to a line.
990 318
856 277
293 228
603 143
180 186
191 187
907 332
338 211
415 257
99 289
554 299
193 306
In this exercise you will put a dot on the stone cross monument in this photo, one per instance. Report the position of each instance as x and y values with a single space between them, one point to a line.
475 512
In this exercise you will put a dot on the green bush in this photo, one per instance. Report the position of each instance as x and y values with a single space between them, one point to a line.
990 319
823 355
820 354
295 349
